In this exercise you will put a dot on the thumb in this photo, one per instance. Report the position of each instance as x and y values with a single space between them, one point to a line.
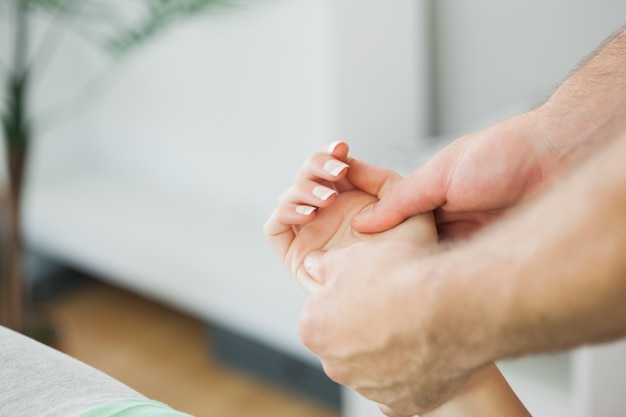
422 191
309 274
314 267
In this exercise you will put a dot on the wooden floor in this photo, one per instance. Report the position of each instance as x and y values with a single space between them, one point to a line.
163 354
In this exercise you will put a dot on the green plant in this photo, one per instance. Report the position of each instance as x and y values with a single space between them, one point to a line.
117 27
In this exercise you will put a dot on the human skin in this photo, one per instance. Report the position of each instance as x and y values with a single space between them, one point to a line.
345 193
542 271
548 277
315 213
481 176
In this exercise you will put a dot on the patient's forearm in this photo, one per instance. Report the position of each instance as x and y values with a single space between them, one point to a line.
486 394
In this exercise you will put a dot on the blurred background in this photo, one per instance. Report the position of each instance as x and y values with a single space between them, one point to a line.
152 169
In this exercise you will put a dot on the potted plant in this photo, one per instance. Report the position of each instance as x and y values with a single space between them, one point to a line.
127 27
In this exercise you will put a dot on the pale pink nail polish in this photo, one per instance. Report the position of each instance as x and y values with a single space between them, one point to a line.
306 210
323 193
333 145
334 167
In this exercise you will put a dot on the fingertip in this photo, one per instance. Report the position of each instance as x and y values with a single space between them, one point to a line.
369 221
339 149
364 216
334 167
332 146
312 265
305 210
323 193
306 282
362 222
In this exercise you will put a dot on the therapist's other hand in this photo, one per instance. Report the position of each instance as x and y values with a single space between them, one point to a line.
378 324
473 180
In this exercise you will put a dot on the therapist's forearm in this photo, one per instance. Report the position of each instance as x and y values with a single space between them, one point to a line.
551 276
570 281
588 106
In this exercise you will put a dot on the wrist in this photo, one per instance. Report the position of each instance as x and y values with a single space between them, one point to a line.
486 393
589 106
457 321
544 285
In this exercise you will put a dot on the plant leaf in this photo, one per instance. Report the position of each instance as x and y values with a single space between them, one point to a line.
14 119
157 16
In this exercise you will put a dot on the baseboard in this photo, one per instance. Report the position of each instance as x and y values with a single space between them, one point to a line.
48 277
266 362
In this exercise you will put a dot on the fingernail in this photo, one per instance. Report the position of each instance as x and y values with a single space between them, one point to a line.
333 145
363 216
311 264
323 193
306 210
334 167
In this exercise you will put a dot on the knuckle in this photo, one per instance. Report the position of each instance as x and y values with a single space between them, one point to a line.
306 167
287 196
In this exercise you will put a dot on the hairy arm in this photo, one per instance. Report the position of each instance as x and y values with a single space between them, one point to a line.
548 275
407 327
481 176
590 105
551 276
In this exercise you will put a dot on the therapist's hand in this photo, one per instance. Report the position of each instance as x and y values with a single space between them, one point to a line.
381 325
473 180
314 214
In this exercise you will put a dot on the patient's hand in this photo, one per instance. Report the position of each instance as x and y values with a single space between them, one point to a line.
315 213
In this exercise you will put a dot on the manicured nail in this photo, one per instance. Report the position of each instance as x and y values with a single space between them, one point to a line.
311 263
323 193
333 145
306 210
363 216
334 167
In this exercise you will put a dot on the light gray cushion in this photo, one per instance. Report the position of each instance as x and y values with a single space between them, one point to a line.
38 381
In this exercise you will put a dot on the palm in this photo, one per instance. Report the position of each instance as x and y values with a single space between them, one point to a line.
326 221
331 228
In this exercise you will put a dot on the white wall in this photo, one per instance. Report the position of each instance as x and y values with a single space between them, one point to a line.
205 108
381 75
249 94
163 185
498 57
221 112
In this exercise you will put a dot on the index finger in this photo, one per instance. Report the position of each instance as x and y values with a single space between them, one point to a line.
280 229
